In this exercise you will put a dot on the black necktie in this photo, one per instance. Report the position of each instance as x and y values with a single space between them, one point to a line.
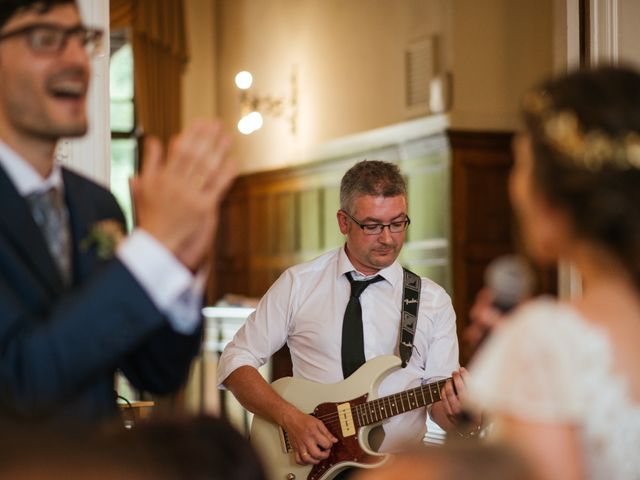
352 334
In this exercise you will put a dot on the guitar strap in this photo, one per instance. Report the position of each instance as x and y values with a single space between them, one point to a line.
410 305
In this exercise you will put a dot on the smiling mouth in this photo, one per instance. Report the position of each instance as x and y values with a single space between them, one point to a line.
68 91
68 85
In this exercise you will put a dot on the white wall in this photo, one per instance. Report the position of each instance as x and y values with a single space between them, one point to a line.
350 78
500 49
349 56
199 81
350 60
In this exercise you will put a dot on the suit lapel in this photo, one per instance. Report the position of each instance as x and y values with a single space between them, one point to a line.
81 217
18 226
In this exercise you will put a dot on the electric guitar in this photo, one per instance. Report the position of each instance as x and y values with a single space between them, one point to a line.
350 421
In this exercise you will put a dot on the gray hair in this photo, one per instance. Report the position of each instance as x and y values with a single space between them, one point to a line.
371 177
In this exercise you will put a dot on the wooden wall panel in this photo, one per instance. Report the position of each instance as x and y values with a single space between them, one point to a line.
231 265
483 226
481 216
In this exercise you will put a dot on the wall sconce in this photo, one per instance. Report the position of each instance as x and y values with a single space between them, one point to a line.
253 107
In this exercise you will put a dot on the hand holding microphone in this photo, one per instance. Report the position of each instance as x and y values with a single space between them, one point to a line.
508 281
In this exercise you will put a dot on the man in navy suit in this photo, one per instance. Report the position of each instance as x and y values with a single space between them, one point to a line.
73 310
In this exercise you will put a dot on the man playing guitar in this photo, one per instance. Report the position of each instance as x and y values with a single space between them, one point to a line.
311 307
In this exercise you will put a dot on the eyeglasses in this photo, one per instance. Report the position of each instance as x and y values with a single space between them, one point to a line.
377 228
50 39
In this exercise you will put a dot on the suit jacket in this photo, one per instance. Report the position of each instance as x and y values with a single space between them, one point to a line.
60 346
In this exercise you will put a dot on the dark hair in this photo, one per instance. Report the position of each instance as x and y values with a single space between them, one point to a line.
585 132
371 177
9 8
197 448
190 448
73 453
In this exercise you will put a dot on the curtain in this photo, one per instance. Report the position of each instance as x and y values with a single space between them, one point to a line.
160 54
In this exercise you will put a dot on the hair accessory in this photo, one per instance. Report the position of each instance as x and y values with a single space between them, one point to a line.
593 149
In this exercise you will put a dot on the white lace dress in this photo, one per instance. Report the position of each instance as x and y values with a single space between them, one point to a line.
547 364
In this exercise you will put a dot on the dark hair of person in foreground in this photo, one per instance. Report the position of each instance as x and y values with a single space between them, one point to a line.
198 448
585 135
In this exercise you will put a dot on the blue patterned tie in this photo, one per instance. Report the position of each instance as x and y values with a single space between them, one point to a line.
50 213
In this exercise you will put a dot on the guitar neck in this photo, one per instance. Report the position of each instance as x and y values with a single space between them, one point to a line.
380 409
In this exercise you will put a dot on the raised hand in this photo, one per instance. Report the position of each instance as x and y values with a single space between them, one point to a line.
177 198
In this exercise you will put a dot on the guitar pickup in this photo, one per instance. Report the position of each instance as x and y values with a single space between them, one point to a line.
346 419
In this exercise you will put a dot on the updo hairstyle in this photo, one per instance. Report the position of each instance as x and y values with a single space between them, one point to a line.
585 132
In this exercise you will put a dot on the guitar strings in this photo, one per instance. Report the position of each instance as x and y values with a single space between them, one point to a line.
362 411
362 408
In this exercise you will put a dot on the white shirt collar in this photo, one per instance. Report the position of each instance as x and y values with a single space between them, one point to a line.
392 273
24 177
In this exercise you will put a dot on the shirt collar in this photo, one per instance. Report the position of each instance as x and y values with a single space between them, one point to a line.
24 177
392 273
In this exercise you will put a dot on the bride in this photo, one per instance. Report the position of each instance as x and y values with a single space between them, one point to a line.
561 380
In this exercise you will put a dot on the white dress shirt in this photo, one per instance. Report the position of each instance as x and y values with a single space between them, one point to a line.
169 284
305 307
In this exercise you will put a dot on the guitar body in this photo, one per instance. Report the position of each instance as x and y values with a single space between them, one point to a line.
323 400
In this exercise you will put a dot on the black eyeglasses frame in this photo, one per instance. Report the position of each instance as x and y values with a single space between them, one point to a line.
379 227
88 36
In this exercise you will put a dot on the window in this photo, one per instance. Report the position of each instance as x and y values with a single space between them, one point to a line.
124 147
124 141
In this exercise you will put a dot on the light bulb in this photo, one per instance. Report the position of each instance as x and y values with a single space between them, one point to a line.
243 126
244 80
250 123
256 120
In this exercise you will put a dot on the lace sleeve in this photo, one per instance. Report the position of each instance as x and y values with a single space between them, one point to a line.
530 367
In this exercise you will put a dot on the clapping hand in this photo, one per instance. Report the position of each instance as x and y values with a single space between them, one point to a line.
177 196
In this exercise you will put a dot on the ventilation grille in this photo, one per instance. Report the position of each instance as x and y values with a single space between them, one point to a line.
419 69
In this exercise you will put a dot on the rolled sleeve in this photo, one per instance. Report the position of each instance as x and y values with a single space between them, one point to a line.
264 332
239 352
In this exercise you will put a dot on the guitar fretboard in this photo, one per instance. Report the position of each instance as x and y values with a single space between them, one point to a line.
380 409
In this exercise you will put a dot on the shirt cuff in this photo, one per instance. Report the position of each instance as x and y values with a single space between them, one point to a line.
185 315
169 284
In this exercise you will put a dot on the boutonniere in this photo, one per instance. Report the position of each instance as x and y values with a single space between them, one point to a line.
104 236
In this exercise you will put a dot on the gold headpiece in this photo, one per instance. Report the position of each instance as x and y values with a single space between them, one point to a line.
592 149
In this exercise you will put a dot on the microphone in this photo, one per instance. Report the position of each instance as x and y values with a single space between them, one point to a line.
510 279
